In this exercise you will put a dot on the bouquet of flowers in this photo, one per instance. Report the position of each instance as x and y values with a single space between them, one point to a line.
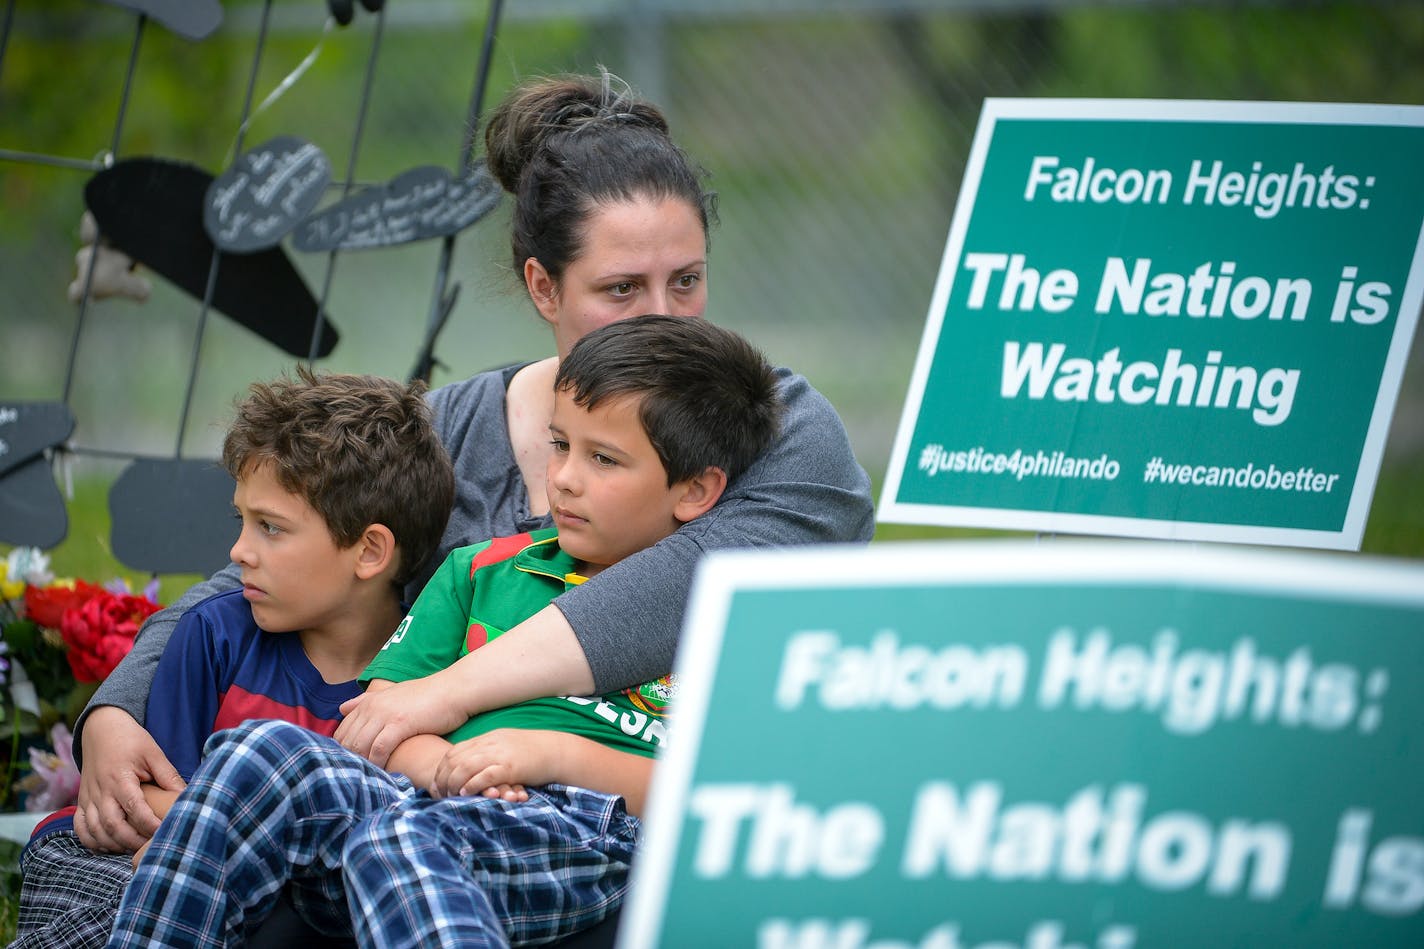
59 638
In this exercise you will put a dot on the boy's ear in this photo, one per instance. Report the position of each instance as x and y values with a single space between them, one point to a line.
375 551
542 288
699 493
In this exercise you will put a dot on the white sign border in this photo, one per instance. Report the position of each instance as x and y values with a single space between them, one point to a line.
1352 531
722 574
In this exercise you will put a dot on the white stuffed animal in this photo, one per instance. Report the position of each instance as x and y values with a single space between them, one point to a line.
114 271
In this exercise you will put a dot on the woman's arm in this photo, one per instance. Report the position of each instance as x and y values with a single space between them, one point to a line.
807 488
113 815
539 657
127 687
417 756
621 628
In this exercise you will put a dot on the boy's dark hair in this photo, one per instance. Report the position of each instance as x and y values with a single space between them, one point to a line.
708 396
360 449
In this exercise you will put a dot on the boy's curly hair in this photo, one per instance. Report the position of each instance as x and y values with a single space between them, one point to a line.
360 449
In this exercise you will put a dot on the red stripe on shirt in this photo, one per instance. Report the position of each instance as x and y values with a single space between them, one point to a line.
501 548
63 814
239 705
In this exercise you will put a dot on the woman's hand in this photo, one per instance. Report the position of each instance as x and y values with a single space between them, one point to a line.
499 763
539 657
113 815
388 713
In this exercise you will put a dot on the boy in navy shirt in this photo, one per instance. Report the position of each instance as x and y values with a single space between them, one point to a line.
342 491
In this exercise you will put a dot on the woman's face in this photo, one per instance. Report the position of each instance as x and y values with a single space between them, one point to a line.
646 255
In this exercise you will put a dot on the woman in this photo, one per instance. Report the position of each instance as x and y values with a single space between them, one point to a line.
610 221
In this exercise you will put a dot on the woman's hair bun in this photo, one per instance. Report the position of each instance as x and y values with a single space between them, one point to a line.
540 110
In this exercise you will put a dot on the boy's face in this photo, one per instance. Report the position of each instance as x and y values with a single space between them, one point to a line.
608 490
293 574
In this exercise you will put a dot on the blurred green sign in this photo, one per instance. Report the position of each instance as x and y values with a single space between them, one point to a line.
1091 744
1182 320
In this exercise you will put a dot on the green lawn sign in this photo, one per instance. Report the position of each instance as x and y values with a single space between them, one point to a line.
1082 744
1176 320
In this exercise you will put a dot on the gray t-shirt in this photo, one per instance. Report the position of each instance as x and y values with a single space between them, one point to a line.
806 488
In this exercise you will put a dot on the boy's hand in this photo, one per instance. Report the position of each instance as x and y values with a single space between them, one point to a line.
160 799
498 764
113 815
388 713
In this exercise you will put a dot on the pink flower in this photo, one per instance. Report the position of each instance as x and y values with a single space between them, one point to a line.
55 781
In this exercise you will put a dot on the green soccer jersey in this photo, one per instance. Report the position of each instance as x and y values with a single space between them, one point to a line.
483 590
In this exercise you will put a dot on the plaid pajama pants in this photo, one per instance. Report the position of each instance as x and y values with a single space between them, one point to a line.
68 893
275 805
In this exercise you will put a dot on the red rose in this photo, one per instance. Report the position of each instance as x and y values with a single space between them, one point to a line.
46 605
100 632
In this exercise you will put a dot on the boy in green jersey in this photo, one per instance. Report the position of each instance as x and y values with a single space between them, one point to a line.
528 819
646 432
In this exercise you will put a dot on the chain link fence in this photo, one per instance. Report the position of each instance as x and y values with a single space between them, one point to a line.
836 133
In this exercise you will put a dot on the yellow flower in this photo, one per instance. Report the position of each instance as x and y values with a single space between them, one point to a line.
10 589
